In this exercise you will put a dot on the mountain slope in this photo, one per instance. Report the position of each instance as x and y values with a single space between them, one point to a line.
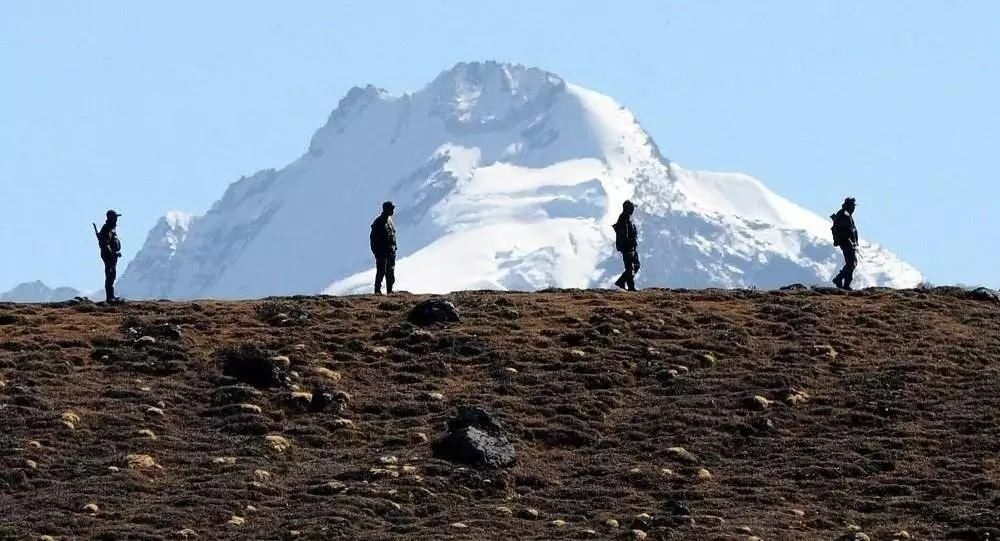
504 177
37 291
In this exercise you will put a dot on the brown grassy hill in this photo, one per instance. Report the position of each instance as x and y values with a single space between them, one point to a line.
878 412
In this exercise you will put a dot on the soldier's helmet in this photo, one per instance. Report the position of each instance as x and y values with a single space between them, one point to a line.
111 214
388 206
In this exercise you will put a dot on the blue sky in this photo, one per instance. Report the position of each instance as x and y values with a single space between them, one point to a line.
148 107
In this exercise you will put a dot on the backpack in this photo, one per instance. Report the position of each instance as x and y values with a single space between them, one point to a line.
619 228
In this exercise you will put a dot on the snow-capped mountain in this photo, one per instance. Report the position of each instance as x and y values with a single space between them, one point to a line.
38 292
504 177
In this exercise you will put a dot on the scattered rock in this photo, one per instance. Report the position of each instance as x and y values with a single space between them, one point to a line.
666 472
794 287
91 508
434 397
262 475
300 401
704 475
146 340
506 511
236 521
34 444
558 523
154 411
901 534
342 423
70 420
793 397
140 462
186 533
31 464
638 535
224 460
578 353
744 530
234 394
278 444
434 311
146 433
328 374
682 455
756 403
250 364
707 360
329 488
475 437
611 523
418 437
528 513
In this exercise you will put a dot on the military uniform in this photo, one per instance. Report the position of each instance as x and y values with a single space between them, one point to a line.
846 236
111 251
627 242
383 244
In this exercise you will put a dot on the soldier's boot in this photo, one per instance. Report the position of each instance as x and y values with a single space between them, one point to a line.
620 282
838 281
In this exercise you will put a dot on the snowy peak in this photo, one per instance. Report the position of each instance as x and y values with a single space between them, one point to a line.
504 177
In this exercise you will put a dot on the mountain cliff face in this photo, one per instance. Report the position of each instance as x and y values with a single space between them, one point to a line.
504 177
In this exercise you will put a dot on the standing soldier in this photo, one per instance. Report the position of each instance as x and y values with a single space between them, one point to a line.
383 243
111 250
845 235
627 242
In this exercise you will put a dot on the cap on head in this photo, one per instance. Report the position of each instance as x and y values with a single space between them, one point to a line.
388 206
628 205
112 214
849 202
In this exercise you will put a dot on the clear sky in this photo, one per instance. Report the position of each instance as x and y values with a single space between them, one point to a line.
153 106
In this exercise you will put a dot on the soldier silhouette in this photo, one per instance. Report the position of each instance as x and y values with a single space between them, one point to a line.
845 235
627 242
111 251
383 244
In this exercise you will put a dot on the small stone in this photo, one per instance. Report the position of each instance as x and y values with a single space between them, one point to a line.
186 533
294 533
249 408
146 433
154 411
704 475
251 509
34 444
389 459
709 519
276 443
744 530
91 508
901 534
436 397
46 538
418 437
146 340
31 464
588 533
327 374
794 397
578 353
299 347
757 403
798 512
224 460
558 523
707 360
635 471
381 350
510 371
861 536
639 534
666 472
114 469
3 384
329 488
611 523
506 511
528 513
281 361
458 525
682 454
70 419
140 462
262 475
343 423
236 521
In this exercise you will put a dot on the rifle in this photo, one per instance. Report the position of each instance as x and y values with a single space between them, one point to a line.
96 234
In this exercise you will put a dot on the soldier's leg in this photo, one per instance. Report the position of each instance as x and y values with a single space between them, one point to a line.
109 279
379 273
622 280
850 263
390 272
630 266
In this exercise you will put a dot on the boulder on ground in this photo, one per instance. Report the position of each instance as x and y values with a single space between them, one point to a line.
434 311
476 438
983 294
250 364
